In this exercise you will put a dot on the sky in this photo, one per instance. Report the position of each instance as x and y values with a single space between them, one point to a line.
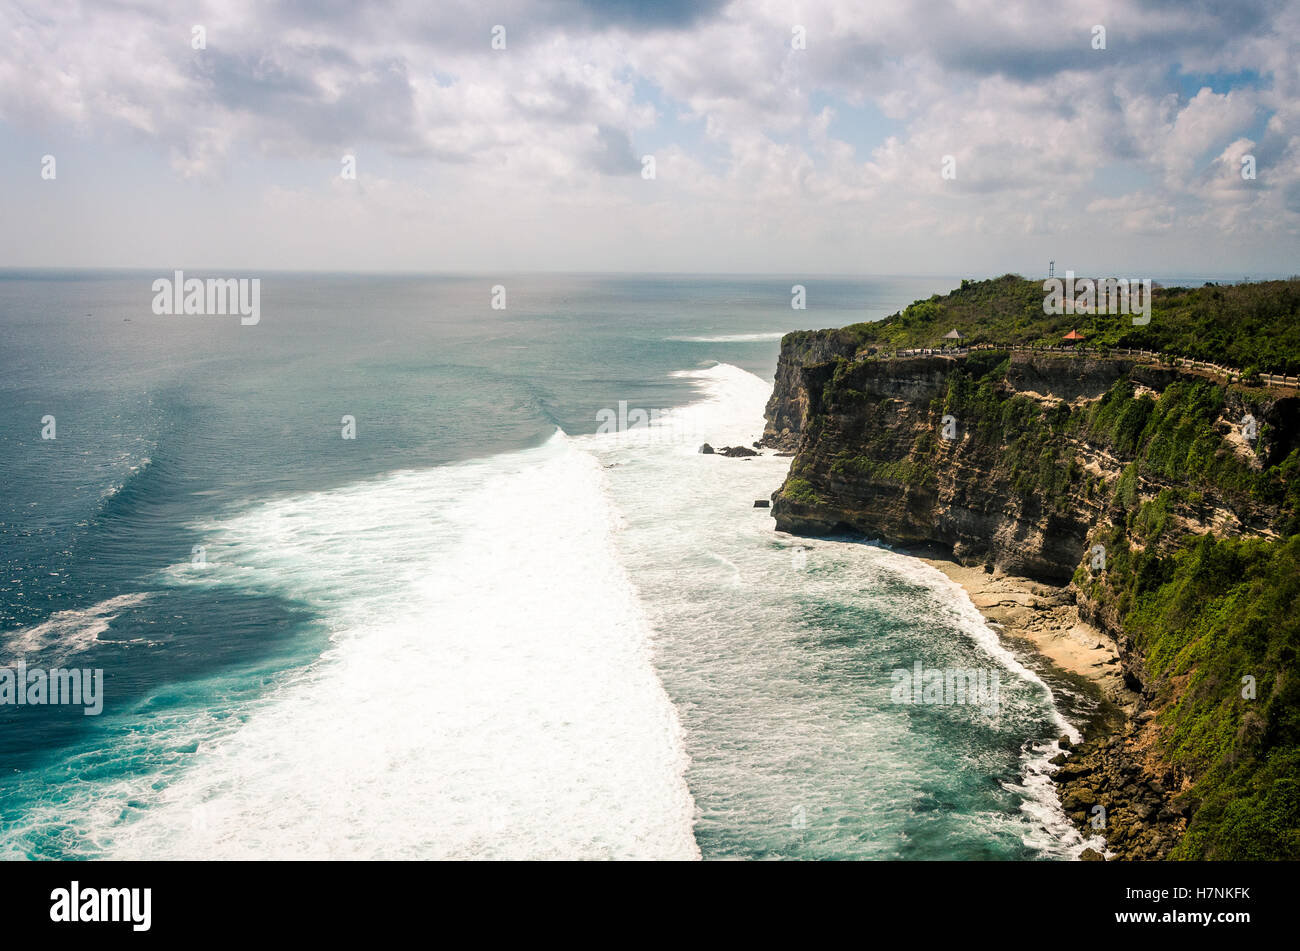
496 136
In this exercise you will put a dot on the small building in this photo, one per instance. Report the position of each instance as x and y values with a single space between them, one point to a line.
955 335
1072 338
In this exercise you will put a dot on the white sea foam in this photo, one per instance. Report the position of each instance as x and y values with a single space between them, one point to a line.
489 690
67 633
732 338
963 613
725 592
1046 825
488 693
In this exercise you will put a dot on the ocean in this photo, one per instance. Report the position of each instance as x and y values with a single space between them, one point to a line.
505 620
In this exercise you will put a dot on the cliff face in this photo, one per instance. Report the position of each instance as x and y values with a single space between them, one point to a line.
875 460
1141 487
908 451
788 408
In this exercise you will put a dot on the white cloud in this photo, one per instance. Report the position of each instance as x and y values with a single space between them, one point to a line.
456 139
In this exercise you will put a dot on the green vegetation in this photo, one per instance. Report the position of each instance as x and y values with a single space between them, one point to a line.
1246 326
1213 617
909 472
1206 612
1203 611
1207 616
801 490
1175 439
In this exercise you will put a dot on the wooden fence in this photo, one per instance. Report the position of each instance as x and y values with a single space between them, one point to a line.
1231 374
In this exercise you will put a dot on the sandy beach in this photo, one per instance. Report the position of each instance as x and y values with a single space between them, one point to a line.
1044 615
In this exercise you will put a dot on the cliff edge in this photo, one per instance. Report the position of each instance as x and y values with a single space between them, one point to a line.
1160 494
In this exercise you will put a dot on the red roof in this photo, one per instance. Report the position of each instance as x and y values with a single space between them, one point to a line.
1074 335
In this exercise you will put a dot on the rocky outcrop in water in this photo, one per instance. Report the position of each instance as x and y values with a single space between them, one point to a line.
1105 791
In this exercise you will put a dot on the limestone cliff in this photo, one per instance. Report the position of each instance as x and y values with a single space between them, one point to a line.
787 410
873 456
1089 471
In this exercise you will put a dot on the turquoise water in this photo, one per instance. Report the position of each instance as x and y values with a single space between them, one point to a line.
481 628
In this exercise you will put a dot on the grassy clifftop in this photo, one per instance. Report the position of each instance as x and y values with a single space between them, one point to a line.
1247 326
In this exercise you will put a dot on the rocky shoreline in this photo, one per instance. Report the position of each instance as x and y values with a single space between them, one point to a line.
1104 783
1105 790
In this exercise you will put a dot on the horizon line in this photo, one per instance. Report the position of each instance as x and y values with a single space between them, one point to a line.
471 273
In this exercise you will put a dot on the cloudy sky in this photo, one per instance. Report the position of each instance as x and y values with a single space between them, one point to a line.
767 157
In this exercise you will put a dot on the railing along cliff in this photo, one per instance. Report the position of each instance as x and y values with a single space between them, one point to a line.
1230 374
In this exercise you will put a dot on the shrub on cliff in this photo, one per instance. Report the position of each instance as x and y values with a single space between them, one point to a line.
1215 622
1254 326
